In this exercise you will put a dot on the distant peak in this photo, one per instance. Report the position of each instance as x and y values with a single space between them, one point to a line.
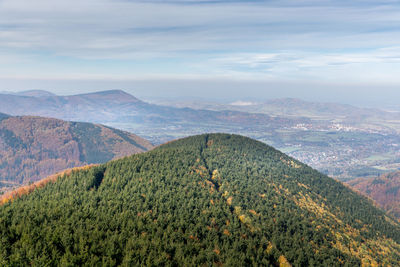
35 93
110 92
114 95
113 91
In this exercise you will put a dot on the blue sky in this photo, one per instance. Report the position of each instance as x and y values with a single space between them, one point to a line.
345 51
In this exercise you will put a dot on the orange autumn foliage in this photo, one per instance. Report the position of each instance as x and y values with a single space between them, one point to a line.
26 189
384 190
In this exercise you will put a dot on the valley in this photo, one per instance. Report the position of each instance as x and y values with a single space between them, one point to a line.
340 154
199 133
342 141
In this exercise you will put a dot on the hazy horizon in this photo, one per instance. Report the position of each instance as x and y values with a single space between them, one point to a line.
316 50
208 90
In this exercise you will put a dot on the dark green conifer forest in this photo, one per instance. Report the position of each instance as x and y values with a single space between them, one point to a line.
213 199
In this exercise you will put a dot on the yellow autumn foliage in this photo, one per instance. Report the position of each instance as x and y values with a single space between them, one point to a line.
283 262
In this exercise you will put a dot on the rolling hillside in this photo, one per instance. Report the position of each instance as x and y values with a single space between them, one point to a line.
206 200
33 147
384 190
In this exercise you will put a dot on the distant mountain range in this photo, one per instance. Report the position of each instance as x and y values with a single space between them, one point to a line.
117 106
340 140
293 107
34 147
213 199
384 190
35 93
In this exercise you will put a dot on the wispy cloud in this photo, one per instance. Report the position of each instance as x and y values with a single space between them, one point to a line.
268 39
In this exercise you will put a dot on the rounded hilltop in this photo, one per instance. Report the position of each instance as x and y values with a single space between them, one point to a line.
203 200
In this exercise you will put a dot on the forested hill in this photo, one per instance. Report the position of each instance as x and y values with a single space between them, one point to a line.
385 190
204 200
33 147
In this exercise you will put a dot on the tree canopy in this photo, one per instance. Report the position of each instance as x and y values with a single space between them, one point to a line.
213 199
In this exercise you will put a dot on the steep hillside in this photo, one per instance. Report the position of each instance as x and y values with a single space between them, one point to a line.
33 147
385 190
205 200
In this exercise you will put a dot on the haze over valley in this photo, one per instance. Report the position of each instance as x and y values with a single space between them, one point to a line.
199 133
342 141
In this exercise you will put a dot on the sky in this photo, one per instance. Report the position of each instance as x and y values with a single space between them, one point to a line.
337 51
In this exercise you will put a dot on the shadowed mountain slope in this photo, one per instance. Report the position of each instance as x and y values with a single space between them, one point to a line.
209 199
33 147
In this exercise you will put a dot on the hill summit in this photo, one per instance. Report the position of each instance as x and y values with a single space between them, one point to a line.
204 200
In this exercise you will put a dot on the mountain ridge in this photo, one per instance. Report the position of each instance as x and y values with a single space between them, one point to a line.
117 106
35 93
33 147
208 199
